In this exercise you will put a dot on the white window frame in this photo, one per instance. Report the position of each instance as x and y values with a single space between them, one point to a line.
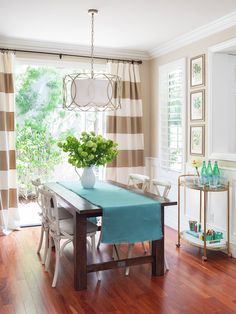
32 60
163 71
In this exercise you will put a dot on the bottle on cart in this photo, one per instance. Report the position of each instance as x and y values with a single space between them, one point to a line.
216 175
209 173
204 173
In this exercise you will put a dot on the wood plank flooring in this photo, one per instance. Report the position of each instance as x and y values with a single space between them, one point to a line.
191 286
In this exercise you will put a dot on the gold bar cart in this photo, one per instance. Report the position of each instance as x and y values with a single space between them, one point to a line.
188 181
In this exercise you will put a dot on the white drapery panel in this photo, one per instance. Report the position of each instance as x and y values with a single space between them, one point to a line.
125 125
9 215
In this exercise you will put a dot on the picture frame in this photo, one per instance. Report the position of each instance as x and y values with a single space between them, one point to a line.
197 105
197 71
197 140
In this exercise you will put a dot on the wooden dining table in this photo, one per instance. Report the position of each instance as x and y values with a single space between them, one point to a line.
81 209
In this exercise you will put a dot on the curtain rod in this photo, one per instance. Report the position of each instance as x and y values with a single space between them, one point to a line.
60 55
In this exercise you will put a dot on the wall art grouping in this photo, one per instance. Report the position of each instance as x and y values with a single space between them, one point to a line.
197 105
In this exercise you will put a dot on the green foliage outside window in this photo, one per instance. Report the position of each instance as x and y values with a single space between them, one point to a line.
36 154
39 124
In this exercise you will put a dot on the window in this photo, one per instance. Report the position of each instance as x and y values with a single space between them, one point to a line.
172 115
42 122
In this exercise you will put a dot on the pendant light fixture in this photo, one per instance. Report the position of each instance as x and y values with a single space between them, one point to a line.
91 91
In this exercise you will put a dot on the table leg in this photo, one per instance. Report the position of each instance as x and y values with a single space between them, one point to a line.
158 251
80 252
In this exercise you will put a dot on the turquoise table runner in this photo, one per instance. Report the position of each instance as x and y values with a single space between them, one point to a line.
127 216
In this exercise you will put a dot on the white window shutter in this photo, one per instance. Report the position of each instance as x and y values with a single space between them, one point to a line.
172 108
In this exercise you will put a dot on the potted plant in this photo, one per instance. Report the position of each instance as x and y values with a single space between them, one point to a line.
88 151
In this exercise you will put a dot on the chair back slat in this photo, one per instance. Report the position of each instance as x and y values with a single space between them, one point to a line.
138 181
158 185
50 209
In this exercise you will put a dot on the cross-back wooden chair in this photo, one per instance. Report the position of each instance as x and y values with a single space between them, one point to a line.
63 214
61 229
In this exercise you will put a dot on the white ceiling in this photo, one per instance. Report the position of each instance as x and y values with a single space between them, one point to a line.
121 24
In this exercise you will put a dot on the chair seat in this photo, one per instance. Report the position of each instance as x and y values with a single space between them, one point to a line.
91 227
67 226
63 213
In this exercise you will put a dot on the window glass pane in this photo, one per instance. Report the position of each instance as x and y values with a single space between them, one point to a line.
42 123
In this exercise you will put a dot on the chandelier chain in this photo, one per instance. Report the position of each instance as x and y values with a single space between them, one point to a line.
92 44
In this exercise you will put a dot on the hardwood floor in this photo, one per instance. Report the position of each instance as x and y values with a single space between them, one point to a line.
191 286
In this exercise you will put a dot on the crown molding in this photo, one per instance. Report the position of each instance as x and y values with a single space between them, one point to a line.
206 30
223 46
57 47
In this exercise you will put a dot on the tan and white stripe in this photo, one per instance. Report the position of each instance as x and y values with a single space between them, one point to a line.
129 108
8 179
125 126
9 217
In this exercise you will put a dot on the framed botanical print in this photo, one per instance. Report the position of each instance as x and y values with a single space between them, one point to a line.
197 140
197 105
197 71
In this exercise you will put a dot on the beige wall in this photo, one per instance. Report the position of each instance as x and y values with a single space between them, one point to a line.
194 49
146 97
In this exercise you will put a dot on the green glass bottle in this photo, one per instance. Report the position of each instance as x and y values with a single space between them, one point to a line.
209 173
204 173
216 175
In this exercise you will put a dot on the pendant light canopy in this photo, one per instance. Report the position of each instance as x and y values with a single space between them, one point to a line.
91 91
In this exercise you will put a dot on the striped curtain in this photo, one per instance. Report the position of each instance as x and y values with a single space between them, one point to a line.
9 216
124 126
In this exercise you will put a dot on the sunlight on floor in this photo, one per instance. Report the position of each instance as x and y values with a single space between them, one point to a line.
29 213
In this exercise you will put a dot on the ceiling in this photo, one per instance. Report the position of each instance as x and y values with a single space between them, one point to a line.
121 24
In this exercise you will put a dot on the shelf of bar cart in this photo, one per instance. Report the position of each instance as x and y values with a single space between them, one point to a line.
210 245
191 181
